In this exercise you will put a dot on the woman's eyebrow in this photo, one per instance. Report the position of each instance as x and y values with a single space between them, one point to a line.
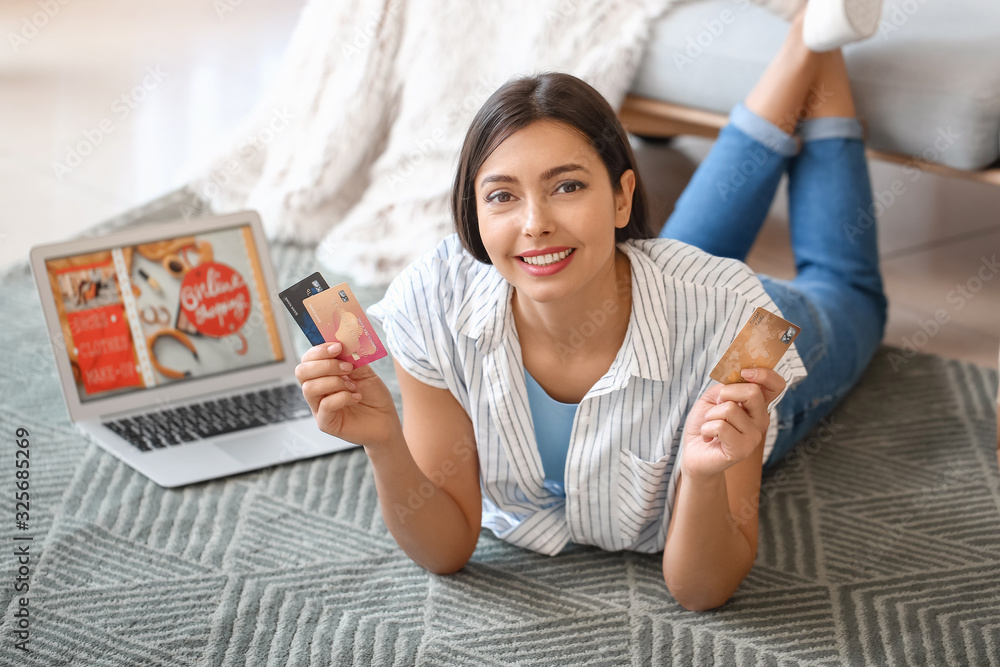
546 175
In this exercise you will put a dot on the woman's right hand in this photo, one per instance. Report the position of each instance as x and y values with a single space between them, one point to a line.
349 403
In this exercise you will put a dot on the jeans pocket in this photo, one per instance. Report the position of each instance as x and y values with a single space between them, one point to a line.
642 496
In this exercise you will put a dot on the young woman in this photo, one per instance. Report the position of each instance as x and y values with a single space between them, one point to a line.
553 359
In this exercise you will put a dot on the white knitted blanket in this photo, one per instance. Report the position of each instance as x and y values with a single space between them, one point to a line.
355 147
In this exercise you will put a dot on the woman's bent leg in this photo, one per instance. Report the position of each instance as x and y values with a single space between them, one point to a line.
724 205
834 239
837 295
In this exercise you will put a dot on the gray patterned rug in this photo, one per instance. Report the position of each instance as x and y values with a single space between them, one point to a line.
880 544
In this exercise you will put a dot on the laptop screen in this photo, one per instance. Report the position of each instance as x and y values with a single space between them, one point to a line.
152 314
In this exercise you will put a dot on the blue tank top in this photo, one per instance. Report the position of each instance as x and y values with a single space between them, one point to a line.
553 426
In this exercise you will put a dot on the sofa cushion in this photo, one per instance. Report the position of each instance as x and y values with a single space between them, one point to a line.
926 84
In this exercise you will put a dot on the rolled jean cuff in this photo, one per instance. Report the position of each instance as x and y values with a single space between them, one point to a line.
763 131
830 127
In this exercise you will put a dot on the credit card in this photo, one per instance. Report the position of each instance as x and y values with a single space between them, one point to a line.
340 318
760 344
293 298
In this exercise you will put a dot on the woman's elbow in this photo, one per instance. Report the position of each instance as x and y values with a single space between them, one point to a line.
449 563
696 598
447 567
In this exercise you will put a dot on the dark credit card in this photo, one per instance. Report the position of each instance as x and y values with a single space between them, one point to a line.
293 298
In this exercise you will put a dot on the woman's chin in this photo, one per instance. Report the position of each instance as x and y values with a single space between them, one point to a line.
542 294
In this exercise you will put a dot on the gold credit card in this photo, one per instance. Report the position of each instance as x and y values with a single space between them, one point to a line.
340 318
759 344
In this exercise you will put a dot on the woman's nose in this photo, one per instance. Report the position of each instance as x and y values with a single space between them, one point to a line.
536 222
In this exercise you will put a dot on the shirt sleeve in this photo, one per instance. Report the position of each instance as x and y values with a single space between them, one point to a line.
410 317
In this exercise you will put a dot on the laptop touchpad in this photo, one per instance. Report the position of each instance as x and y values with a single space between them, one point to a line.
267 448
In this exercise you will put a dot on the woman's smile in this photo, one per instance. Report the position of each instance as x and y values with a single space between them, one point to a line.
547 261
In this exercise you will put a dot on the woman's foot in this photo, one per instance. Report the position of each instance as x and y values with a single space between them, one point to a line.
830 24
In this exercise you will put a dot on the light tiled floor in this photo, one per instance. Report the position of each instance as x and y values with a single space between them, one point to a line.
189 70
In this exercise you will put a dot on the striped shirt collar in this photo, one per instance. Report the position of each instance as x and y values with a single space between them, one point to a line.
644 351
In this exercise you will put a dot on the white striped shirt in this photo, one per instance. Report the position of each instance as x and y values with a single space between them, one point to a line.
448 321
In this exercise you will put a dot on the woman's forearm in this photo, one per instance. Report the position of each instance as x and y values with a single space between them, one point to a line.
706 556
426 522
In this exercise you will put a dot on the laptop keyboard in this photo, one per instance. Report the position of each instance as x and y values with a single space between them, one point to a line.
197 421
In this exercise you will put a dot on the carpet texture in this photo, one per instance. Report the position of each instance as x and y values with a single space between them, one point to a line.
879 544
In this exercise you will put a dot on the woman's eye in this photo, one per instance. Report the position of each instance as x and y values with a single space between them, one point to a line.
500 197
570 186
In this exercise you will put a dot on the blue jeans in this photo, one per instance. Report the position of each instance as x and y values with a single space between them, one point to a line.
836 296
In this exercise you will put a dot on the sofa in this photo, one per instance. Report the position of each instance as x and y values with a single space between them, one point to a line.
926 85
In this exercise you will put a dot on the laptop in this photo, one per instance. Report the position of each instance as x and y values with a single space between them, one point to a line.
169 352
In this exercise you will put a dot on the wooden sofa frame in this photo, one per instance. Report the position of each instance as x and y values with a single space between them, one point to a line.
652 118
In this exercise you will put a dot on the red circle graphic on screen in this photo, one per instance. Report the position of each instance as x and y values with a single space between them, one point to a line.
215 298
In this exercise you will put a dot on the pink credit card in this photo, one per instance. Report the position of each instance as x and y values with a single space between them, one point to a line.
340 318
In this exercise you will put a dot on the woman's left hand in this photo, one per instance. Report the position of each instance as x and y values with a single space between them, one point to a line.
729 422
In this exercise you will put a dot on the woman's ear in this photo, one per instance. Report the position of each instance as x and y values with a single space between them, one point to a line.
623 198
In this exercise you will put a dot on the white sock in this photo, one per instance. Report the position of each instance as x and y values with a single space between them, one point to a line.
830 24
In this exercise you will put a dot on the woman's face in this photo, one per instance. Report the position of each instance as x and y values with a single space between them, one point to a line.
547 211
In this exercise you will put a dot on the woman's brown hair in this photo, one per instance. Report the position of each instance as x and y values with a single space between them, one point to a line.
519 103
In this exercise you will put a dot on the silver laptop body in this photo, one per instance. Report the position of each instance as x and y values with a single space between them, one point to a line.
156 321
